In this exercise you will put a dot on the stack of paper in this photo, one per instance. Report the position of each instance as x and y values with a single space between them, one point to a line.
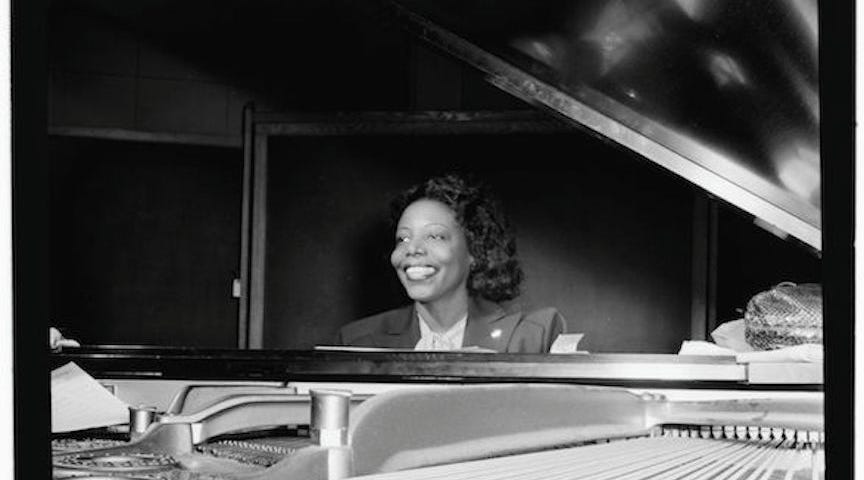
78 401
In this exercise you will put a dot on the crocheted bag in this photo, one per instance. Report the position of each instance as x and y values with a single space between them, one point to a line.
785 315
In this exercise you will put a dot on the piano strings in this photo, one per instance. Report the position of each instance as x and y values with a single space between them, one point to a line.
669 455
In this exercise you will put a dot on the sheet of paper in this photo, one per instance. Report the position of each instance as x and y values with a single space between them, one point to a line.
701 347
78 401
567 343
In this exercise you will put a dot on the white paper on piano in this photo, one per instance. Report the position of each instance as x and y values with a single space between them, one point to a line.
701 347
567 343
78 401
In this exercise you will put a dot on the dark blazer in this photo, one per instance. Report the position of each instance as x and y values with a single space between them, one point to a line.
499 327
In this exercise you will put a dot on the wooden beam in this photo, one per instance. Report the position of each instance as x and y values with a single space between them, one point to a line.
409 123
121 134
245 231
258 242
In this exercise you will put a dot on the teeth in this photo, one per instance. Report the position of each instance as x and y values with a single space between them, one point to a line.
419 273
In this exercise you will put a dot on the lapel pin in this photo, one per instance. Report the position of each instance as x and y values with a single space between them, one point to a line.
495 333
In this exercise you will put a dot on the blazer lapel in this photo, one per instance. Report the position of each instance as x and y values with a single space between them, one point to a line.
488 325
401 330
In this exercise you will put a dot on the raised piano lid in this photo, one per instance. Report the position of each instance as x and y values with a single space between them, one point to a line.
724 94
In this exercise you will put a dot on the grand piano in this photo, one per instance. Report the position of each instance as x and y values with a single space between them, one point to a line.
711 94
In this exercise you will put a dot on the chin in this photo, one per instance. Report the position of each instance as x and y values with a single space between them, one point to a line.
420 294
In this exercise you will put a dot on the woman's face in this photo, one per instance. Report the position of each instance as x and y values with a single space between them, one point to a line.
431 254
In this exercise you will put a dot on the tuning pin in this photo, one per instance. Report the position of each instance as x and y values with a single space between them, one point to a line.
753 433
777 434
800 438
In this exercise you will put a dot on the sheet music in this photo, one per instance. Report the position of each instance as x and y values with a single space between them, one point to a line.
78 401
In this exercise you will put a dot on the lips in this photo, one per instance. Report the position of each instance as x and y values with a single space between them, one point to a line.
419 272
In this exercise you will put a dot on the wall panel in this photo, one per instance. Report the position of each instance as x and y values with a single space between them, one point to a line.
145 240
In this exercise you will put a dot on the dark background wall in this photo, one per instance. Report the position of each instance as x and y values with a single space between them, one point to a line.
156 66
603 236
145 242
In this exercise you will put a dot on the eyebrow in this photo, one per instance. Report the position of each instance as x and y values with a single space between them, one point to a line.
433 224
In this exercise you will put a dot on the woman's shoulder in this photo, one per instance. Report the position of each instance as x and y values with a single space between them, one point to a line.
528 309
544 316
534 328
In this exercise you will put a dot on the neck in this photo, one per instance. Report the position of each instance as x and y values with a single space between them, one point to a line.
442 314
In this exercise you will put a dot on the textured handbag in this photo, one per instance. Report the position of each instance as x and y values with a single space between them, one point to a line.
786 315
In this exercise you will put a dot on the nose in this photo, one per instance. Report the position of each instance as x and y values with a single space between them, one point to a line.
415 247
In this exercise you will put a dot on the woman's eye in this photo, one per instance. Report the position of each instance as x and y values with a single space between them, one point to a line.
401 240
435 236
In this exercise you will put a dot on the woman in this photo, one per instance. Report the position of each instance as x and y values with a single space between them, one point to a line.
456 259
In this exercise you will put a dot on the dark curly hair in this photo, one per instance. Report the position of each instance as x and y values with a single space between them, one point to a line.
495 274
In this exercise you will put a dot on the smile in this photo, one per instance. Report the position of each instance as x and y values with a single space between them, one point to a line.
417 273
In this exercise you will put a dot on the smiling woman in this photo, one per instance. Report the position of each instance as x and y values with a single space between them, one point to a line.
456 258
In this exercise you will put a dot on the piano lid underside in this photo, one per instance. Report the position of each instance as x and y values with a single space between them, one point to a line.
715 94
